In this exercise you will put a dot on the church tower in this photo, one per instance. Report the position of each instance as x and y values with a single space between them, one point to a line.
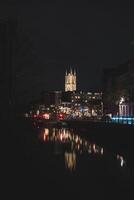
70 81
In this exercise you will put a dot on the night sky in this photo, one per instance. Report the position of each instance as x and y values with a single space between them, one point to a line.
52 37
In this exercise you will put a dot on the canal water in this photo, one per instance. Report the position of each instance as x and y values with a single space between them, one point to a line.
63 162
65 143
74 165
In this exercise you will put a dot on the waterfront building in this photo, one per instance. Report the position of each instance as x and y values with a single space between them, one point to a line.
118 83
83 104
71 102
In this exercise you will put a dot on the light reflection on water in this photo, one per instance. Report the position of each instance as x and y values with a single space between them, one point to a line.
74 146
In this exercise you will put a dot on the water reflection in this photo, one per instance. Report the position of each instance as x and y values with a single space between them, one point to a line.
72 145
70 160
121 160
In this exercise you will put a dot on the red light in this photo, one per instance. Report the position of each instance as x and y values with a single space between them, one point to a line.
60 116
46 116
34 124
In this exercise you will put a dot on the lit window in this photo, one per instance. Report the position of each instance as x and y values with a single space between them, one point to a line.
96 93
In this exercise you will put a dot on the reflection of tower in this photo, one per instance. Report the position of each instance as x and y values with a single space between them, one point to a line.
70 81
70 160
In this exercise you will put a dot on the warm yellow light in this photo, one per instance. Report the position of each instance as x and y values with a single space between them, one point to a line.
46 131
70 160
102 151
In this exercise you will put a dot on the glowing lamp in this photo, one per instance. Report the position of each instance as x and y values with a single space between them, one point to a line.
122 99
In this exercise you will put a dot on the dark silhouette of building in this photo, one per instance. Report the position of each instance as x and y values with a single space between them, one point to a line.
118 82
7 36
51 98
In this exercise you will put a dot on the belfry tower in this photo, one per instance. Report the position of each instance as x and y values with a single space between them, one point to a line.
70 81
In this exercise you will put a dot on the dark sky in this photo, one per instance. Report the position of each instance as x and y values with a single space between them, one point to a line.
52 37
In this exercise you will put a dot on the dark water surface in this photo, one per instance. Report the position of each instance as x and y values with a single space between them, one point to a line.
82 166
64 162
77 153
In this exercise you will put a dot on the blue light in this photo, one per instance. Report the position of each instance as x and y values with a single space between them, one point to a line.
124 120
129 122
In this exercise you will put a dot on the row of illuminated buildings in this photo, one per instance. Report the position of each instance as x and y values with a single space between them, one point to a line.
71 103
115 99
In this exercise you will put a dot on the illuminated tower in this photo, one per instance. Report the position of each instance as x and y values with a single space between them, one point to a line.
70 81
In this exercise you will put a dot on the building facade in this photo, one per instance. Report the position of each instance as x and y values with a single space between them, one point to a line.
126 109
82 104
7 42
118 89
51 98
70 80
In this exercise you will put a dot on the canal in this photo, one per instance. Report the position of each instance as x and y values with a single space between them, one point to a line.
65 162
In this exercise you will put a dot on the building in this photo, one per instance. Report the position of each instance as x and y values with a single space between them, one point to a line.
70 80
82 104
72 103
49 98
126 109
7 42
118 89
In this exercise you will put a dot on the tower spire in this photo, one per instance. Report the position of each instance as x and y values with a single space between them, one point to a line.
74 72
71 71
70 80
